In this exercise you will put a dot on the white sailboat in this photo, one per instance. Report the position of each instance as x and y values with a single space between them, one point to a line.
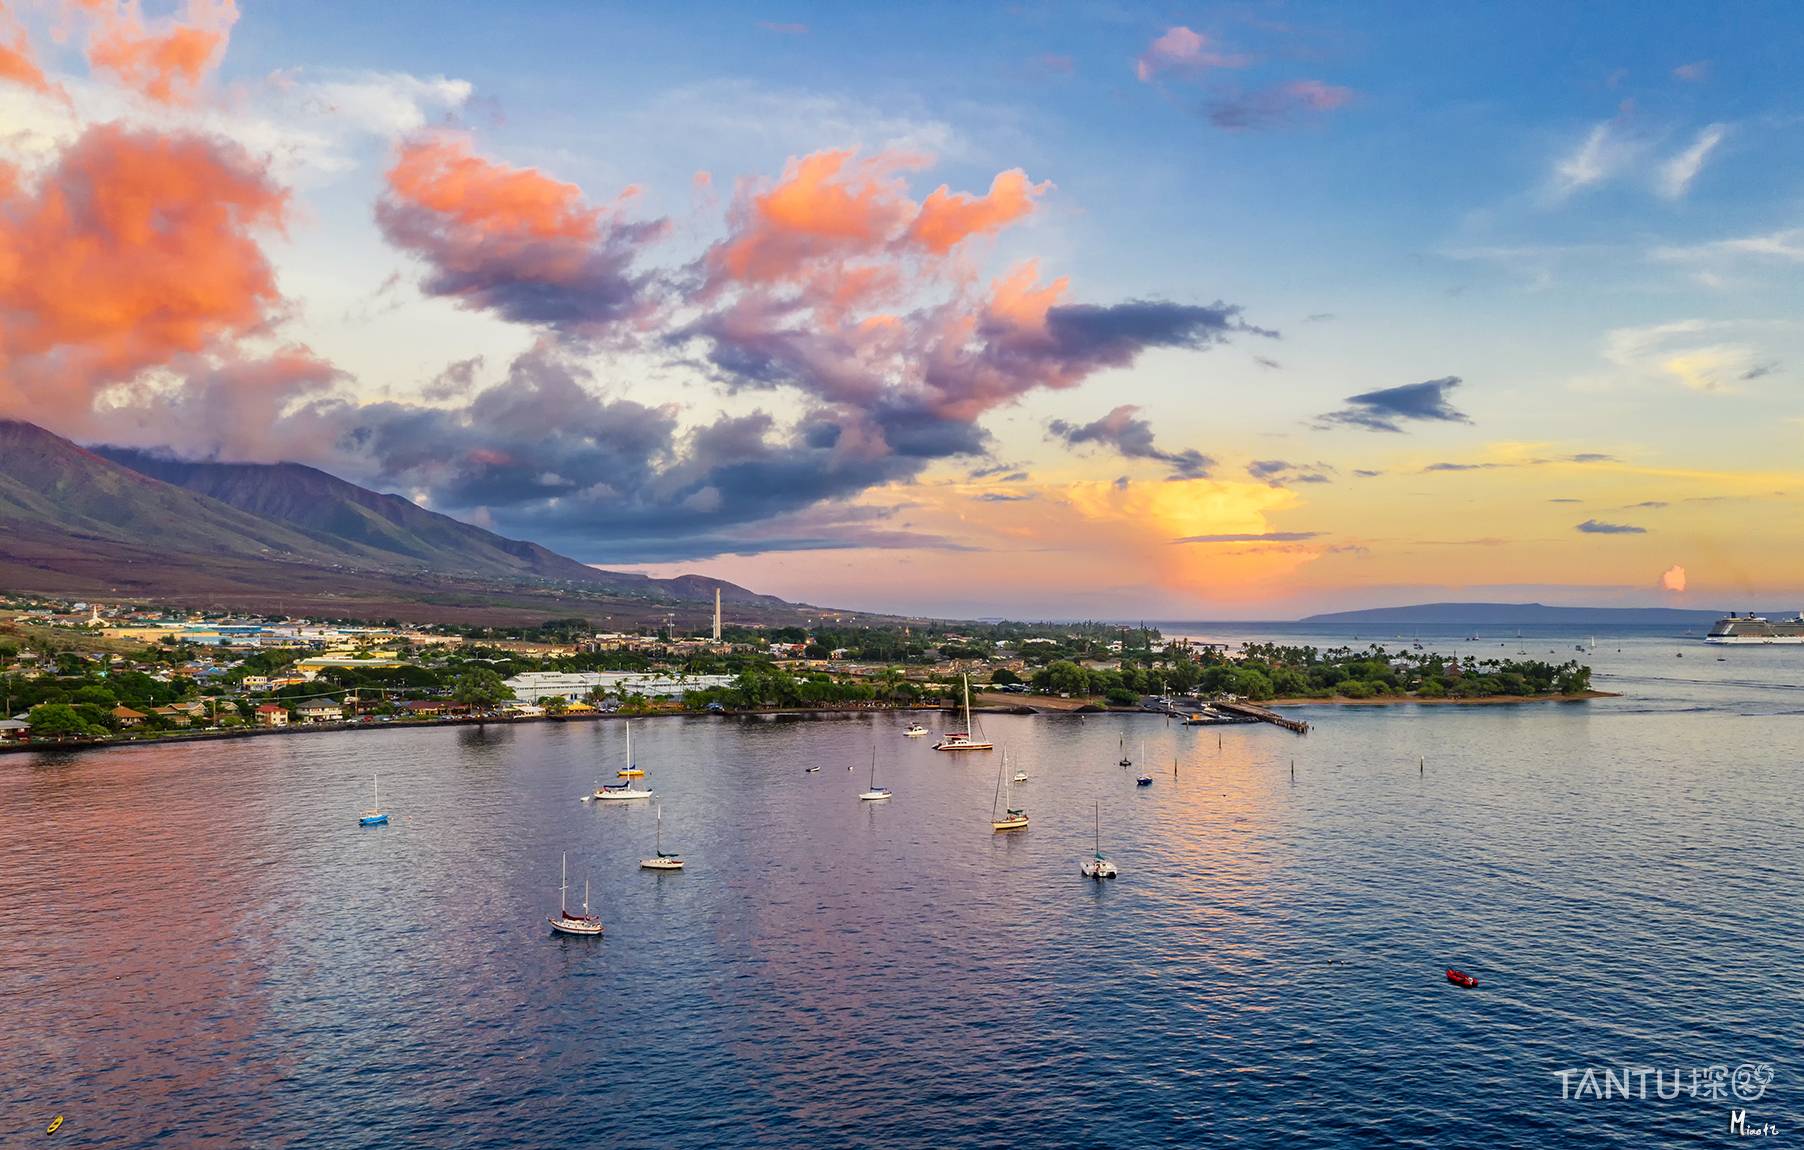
563 921
1098 866
1004 815
969 739
876 793
1018 776
663 861
623 792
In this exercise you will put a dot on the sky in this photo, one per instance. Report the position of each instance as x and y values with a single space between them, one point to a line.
1092 310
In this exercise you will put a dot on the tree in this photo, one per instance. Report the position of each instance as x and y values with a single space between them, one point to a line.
1002 677
60 721
480 687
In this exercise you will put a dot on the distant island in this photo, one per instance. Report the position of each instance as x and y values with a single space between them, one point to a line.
1517 615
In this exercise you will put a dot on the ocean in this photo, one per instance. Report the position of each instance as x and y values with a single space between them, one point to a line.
199 946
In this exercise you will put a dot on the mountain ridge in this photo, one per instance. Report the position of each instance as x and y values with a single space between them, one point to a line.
91 518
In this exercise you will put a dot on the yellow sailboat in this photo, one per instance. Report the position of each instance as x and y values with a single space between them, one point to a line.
1011 818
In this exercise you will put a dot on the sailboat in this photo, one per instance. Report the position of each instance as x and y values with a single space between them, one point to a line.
623 792
563 921
1018 776
375 816
969 739
1013 818
1098 866
670 861
876 792
631 770
1125 761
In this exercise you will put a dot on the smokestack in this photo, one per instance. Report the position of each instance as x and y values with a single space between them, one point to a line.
717 614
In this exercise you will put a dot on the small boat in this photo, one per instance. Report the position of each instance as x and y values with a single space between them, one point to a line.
1125 761
664 860
1144 781
876 793
563 921
915 731
811 770
1461 978
969 739
1098 866
1018 776
375 816
1011 818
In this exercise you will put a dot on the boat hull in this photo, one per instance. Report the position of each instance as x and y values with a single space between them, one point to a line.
578 926
874 796
1099 870
621 796
964 746
1009 825
1755 640
660 864
373 821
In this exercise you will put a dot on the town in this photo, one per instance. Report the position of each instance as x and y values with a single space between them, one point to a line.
80 673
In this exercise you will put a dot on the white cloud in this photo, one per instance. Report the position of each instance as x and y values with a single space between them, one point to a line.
1784 244
1704 355
1677 173
1599 157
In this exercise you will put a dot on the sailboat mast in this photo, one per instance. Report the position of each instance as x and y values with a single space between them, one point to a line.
1098 812
563 888
873 768
998 796
967 703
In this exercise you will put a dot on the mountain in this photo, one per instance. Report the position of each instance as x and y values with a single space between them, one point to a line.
1517 615
285 536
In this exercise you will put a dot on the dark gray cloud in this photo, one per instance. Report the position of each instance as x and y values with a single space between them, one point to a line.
1318 317
1002 497
579 285
1590 457
1595 527
1132 437
1388 408
1282 473
1273 107
1264 361
1647 504
1266 537
1464 466
1760 370
1366 473
1566 500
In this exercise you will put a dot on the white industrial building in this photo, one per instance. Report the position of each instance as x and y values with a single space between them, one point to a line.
534 686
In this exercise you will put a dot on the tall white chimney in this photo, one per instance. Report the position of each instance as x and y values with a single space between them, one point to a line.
717 614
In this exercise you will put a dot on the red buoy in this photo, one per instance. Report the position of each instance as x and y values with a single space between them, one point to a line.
1461 978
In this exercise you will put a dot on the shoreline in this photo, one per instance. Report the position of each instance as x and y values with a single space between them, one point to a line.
1016 708
1481 700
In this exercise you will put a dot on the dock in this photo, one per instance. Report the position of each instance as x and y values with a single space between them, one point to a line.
1264 715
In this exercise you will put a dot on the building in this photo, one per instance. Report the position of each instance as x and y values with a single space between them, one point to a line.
321 711
535 686
14 730
128 718
172 716
272 715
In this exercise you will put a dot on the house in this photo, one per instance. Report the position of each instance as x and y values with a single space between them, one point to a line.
14 730
256 682
128 718
172 716
321 711
422 708
272 715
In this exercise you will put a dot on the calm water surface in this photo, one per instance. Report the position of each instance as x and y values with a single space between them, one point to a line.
201 948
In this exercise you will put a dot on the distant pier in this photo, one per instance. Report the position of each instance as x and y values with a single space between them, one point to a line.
1264 715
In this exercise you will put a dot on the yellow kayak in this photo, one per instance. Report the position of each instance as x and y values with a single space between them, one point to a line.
55 1124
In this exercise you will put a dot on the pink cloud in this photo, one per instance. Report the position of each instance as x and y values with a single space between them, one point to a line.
1180 49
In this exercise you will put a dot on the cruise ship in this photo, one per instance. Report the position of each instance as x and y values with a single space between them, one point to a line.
1751 628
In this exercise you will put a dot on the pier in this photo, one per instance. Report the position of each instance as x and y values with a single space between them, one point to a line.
1264 715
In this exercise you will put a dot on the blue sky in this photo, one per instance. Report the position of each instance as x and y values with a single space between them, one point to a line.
1587 217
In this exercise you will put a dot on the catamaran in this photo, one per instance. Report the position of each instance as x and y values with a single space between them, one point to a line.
664 860
969 739
375 816
1012 818
1098 866
876 793
563 921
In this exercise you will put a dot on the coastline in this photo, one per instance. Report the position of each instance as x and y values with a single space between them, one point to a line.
1482 700
1015 706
